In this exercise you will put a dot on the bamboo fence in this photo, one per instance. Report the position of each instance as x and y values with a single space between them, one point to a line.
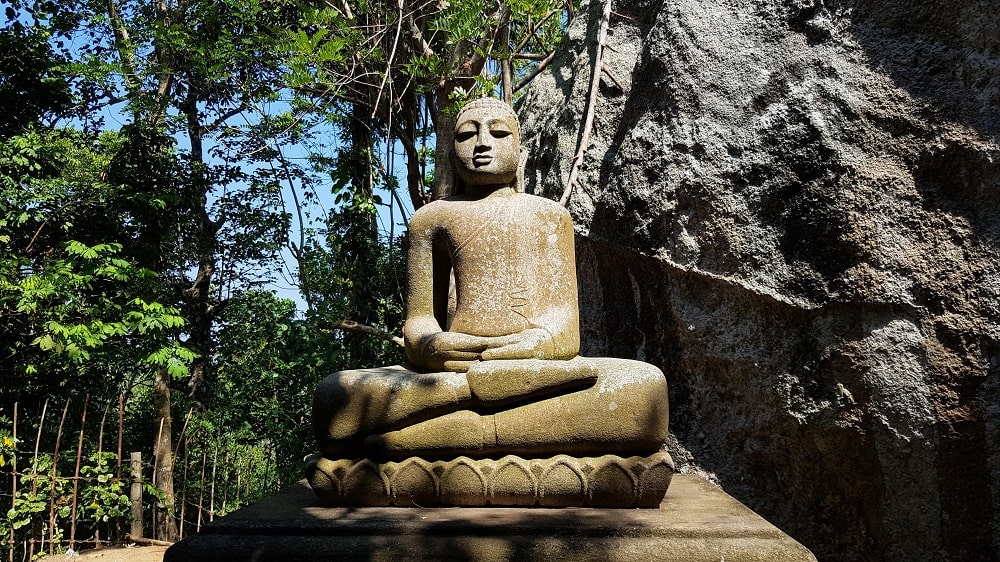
206 488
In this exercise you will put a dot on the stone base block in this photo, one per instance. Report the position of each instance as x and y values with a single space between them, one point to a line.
560 481
696 522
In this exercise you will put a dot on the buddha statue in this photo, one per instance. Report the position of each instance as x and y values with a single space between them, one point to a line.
493 379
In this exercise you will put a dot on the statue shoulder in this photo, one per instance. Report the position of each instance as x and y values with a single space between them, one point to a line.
546 207
431 216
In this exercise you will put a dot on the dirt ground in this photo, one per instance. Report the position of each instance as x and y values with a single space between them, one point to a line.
120 554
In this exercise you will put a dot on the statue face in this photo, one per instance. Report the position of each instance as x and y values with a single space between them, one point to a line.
487 147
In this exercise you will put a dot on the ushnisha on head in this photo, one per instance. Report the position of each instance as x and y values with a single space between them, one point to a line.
487 148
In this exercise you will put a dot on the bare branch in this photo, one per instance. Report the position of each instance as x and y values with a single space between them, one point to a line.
538 70
352 326
165 76
534 30
343 7
505 68
207 129
489 40
420 44
611 75
388 63
588 124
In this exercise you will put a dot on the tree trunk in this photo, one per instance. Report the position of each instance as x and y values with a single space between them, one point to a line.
361 236
444 129
199 295
163 461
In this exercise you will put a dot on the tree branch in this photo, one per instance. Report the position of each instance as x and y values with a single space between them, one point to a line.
124 47
538 70
421 46
534 30
611 75
388 63
588 123
206 129
507 75
164 59
352 326
341 7
489 40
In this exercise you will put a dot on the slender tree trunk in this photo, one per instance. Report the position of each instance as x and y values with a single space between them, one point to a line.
163 460
199 294
408 133
361 236
444 129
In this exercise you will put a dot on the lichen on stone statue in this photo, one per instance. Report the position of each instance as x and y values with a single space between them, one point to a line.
492 336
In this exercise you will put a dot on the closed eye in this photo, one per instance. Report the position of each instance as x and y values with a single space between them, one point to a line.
464 135
500 133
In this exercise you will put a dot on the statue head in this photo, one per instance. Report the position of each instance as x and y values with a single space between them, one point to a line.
487 145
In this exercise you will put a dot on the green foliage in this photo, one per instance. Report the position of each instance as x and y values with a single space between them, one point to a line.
8 446
134 248
71 302
402 69
268 364
59 300
28 75
105 497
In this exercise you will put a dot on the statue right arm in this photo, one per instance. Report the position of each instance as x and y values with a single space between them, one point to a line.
428 345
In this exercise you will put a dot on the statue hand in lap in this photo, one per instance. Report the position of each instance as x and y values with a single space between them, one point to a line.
492 320
455 351
532 343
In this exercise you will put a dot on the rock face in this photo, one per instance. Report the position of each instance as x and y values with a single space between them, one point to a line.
793 208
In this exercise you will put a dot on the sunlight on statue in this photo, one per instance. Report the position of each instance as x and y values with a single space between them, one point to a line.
491 334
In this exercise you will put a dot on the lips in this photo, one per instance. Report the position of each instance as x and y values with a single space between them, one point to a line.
481 160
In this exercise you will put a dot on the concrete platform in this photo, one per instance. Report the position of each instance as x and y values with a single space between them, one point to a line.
696 522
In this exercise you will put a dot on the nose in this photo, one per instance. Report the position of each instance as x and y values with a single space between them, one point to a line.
484 140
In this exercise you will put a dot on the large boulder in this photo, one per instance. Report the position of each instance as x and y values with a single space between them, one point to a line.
793 208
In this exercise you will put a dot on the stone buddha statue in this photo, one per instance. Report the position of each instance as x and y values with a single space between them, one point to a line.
494 407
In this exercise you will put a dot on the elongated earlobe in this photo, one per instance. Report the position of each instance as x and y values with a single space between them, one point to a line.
519 178
457 185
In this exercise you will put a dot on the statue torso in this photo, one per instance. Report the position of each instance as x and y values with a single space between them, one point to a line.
503 260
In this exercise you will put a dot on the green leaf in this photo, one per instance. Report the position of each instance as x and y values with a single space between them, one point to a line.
45 342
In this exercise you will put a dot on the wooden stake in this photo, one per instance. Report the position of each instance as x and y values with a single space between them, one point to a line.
121 425
38 440
184 479
13 482
211 501
184 427
34 473
239 476
136 494
225 480
201 495
76 475
100 461
52 495
100 435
